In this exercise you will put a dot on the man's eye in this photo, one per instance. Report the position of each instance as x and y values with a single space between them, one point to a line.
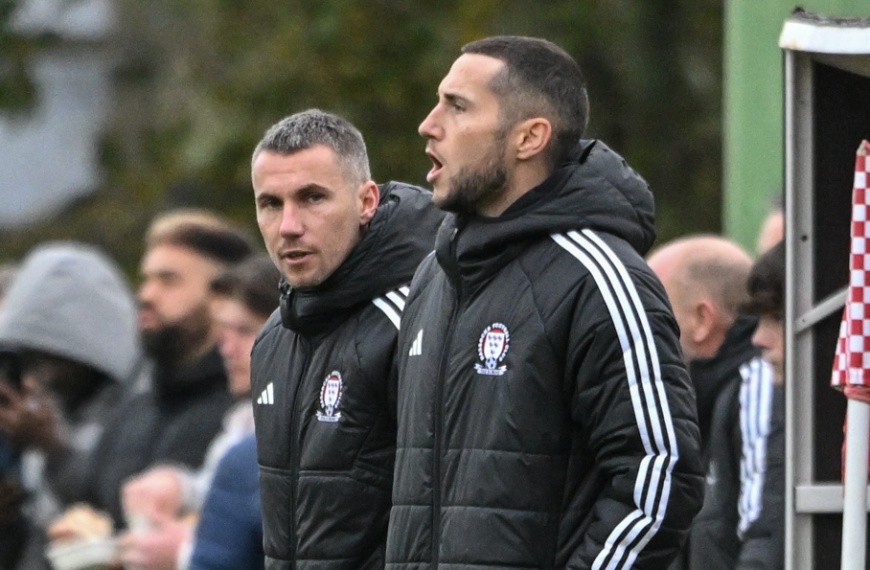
315 198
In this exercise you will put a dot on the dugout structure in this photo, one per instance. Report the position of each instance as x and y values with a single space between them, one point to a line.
827 115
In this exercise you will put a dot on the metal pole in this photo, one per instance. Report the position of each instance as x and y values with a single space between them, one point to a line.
855 485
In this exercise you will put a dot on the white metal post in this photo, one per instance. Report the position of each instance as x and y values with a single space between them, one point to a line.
855 485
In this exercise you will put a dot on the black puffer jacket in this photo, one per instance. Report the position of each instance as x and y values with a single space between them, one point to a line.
324 396
545 417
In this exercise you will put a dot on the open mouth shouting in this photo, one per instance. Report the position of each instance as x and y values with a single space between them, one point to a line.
437 166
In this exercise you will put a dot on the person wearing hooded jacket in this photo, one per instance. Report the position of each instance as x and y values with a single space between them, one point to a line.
69 323
546 419
322 367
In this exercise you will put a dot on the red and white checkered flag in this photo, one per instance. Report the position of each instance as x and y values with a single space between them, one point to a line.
852 359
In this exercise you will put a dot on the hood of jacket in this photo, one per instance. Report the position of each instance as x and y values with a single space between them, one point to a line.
595 189
70 300
399 236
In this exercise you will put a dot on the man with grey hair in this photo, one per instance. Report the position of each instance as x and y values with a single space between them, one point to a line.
322 367
705 277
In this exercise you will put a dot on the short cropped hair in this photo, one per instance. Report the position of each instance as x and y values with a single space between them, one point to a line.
313 127
253 282
724 279
539 79
766 284
201 231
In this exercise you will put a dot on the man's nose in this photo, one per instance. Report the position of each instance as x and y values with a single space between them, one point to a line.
761 337
146 292
228 345
430 127
291 221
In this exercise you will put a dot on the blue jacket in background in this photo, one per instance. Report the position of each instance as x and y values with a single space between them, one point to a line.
229 534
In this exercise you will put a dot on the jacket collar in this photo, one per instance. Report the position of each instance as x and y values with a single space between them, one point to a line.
594 189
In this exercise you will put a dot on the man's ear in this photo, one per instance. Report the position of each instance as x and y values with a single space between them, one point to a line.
369 198
532 136
706 317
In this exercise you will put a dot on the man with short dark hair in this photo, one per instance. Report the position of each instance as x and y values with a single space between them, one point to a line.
766 286
322 368
181 410
545 416
243 297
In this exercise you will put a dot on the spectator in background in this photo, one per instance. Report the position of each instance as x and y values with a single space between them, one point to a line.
705 278
69 329
229 534
182 408
243 297
766 285
772 230
12 524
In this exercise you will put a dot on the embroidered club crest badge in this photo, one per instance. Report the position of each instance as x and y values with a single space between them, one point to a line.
330 398
492 349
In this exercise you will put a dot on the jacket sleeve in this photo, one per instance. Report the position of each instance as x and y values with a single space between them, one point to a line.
636 408
229 532
762 489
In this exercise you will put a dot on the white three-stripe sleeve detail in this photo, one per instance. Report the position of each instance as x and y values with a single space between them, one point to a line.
392 304
649 401
756 405
398 299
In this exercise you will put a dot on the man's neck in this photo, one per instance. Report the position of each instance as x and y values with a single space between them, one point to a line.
195 354
525 177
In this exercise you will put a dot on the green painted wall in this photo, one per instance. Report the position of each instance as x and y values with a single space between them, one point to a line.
753 106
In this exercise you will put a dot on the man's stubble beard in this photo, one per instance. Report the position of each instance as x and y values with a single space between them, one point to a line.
474 187
174 344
